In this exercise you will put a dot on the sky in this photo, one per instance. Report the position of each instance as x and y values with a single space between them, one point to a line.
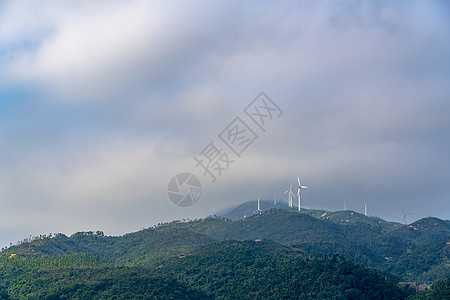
103 102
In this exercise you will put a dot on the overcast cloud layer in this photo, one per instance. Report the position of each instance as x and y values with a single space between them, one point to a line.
102 102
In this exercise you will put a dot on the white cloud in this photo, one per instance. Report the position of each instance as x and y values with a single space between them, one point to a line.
99 48
363 86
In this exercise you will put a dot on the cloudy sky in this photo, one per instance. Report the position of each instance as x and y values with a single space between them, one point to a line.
103 102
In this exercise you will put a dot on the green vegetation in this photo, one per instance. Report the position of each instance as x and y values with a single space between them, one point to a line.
101 282
274 254
414 253
439 290
222 270
267 270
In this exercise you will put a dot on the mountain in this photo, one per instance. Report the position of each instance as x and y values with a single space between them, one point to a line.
345 217
279 239
414 252
220 270
428 229
250 208
427 250
144 248
381 246
349 217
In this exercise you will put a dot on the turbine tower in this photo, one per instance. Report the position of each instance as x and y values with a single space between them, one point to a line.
365 209
289 191
345 204
259 205
404 216
299 191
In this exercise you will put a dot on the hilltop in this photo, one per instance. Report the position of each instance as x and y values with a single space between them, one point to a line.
343 217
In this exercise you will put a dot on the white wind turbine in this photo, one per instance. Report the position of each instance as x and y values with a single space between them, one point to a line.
291 194
299 191
404 216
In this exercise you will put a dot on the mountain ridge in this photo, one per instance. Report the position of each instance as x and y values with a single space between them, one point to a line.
249 208
390 248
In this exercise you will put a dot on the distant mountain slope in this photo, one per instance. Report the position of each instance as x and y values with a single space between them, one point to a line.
428 229
389 246
250 208
349 217
276 224
345 217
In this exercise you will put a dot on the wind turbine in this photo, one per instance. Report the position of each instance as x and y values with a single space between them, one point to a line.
259 206
299 191
289 191
404 216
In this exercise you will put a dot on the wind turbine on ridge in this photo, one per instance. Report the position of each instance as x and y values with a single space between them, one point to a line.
299 191
404 216
291 194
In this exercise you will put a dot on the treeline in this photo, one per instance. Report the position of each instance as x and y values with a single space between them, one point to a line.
44 237
81 260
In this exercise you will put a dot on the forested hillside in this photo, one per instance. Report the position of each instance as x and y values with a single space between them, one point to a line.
221 270
419 251
84 277
267 254
268 270
439 290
